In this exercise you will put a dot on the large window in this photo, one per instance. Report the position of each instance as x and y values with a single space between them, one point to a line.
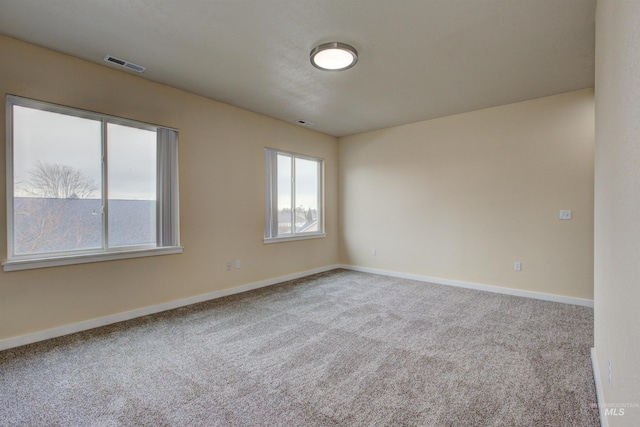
293 196
86 187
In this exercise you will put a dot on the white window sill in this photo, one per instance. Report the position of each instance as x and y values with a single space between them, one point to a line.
27 264
294 238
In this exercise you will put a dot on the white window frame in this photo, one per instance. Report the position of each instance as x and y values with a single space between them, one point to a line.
167 198
271 197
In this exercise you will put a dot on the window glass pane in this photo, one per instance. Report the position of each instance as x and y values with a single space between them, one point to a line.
132 185
57 182
284 194
306 211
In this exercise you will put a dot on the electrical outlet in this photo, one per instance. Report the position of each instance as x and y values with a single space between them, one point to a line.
517 266
228 265
373 251
237 263
565 214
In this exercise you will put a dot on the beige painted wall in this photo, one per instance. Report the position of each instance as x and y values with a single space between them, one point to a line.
463 197
617 204
221 184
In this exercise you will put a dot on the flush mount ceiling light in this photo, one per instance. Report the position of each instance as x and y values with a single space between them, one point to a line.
333 56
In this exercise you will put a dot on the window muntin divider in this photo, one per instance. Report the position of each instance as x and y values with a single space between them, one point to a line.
105 186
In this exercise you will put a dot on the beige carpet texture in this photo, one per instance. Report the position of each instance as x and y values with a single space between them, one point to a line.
341 348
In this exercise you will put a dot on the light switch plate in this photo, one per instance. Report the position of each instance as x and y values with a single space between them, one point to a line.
565 214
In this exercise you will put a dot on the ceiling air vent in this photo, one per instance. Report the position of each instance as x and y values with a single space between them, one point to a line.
125 64
304 123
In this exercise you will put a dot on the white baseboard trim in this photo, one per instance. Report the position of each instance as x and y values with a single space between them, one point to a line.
144 311
604 422
476 286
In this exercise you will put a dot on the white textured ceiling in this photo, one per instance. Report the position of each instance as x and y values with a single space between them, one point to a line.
418 59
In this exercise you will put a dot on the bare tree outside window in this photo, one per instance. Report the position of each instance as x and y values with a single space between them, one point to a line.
48 220
59 182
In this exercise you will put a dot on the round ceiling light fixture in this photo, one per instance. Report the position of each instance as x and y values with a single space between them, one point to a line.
333 56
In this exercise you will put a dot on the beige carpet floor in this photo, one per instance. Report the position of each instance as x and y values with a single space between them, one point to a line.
341 348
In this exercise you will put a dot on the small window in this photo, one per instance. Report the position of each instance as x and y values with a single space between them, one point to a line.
83 185
293 196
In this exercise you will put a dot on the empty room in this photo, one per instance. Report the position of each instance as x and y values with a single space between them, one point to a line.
320 213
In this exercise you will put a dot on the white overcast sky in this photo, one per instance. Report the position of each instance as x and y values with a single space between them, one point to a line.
41 136
306 183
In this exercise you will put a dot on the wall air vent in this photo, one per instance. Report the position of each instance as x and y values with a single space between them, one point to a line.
125 64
